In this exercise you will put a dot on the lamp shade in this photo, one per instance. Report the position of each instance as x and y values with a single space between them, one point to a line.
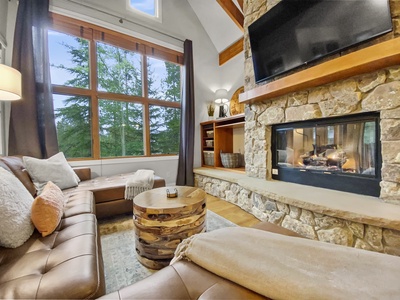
10 83
221 96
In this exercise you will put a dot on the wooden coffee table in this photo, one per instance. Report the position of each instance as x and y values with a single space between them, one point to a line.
161 223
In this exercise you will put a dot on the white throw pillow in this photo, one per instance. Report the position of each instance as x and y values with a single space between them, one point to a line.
15 211
55 169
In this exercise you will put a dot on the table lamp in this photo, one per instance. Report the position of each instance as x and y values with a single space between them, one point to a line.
10 83
221 98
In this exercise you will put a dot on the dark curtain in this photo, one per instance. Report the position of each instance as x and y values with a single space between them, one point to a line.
186 147
32 125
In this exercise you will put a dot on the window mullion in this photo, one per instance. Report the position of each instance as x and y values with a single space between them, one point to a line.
146 108
94 100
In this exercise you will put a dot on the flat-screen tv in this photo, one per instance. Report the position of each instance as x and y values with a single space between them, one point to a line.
296 32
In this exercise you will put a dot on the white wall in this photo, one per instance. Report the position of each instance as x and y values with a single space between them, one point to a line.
179 21
3 19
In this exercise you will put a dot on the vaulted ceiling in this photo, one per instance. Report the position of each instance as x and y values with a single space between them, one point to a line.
223 22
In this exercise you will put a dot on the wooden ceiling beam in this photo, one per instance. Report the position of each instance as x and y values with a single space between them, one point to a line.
241 4
233 12
231 51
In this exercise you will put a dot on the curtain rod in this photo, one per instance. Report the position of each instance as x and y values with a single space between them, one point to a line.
121 20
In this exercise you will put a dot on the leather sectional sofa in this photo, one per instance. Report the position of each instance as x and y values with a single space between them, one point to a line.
68 263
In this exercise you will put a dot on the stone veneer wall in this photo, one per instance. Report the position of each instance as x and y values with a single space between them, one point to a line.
377 91
303 221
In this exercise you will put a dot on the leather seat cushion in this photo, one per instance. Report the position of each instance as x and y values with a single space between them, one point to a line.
35 269
79 202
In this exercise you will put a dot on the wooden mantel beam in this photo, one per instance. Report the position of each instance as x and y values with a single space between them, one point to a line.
366 60
233 12
231 51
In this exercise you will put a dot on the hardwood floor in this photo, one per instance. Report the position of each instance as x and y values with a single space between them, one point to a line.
231 212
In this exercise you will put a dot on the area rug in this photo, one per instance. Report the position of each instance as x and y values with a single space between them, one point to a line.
118 246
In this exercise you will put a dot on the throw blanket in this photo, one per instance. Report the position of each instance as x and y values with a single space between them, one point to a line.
283 267
142 180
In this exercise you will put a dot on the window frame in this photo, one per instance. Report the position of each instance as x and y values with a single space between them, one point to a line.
157 8
94 33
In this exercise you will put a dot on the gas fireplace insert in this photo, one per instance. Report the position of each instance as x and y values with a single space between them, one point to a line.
341 153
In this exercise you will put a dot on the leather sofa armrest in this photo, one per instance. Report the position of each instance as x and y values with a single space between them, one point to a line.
183 280
83 173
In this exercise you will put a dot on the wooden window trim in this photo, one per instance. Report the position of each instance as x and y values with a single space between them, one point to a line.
94 107
91 31
94 33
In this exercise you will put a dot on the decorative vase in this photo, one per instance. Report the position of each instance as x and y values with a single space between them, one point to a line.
210 110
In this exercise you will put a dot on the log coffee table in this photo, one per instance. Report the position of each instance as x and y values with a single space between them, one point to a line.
161 223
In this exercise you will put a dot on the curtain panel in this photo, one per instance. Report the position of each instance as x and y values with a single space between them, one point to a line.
32 125
186 146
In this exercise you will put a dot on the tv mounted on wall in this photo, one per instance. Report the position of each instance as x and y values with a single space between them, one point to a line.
296 32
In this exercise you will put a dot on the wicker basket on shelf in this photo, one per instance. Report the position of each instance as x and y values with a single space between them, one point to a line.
230 160
208 158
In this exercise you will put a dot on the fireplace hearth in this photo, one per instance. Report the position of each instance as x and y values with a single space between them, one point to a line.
340 153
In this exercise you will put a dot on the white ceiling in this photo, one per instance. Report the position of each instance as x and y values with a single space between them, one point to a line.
219 26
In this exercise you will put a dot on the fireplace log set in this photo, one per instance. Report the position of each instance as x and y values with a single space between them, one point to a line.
324 157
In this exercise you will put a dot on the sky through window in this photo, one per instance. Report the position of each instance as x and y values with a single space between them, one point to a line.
145 6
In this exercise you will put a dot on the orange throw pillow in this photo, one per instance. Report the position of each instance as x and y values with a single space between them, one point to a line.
47 209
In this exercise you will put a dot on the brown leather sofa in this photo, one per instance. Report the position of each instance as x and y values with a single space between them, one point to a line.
67 264
186 280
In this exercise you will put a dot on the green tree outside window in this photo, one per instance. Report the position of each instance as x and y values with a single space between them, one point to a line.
121 123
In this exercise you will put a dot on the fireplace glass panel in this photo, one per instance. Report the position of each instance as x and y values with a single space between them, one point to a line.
340 148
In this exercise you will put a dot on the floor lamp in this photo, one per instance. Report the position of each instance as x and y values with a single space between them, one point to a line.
10 83
10 90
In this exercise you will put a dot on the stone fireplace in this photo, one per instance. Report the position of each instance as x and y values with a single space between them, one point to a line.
377 92
374 92
350 219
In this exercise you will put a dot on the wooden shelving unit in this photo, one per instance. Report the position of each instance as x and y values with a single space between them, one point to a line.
366 60
222 138
206 138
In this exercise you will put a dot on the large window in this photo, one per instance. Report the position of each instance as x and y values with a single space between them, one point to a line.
114 96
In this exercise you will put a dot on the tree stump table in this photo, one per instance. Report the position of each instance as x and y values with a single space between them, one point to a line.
161 223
